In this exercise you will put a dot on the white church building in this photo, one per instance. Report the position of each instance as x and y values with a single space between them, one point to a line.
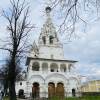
48 72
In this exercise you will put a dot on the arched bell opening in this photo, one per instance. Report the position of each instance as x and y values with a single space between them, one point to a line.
36 66
51 39
54 67
63 67
44 40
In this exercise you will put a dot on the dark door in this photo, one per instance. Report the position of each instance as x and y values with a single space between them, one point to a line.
51 89
60 90
73 92
35 90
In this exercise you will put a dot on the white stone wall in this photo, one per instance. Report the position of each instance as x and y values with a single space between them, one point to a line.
68 80
51 52
23 86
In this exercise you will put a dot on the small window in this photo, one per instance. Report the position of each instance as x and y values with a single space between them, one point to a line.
35 66
53 67
27 69
51 39
44 39
52 70
20 83
52 56
99 89
64 69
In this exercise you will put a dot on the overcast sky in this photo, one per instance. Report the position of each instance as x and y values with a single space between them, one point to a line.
85 49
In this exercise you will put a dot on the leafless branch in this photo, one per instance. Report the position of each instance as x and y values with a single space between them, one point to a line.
71 13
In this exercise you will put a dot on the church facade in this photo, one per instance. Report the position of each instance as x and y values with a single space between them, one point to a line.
48 73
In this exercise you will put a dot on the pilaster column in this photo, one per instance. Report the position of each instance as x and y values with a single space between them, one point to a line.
59 68
55 85
66 91
29 71
30 65
40 66
49 69
67 67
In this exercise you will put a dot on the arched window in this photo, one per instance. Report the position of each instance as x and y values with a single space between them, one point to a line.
63 67
69 67
21 93
45 67
54 67
51 39
35 66
44 39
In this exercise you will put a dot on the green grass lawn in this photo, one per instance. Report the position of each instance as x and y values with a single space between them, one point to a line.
71 98
6 98
77 98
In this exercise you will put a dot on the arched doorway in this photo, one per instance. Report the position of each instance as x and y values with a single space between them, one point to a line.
21 93
51 89
35 90
73 92
60 89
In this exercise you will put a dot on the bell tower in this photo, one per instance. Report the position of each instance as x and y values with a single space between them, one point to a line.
49 44
48 35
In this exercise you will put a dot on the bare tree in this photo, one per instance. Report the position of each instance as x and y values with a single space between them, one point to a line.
18 28
70 12
5 70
